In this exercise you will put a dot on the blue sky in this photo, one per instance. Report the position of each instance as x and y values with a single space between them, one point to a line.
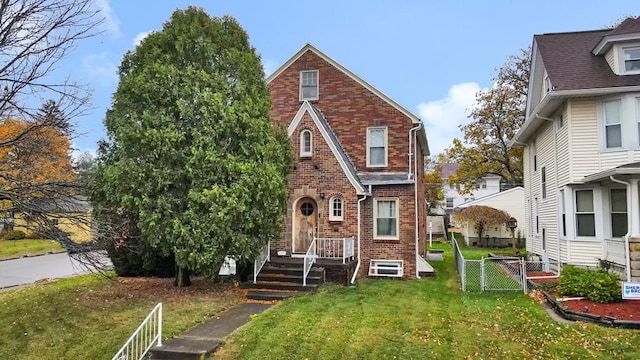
430 56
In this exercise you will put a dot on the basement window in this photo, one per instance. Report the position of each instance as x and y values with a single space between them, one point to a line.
388 268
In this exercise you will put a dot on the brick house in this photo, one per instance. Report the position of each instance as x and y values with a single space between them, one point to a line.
353 191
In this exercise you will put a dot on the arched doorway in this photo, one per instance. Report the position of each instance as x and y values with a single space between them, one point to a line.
305 215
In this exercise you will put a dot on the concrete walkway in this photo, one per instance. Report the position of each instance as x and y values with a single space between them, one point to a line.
206 338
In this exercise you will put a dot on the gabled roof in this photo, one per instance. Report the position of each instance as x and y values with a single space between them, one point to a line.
494 195
448 169
356 78
332 141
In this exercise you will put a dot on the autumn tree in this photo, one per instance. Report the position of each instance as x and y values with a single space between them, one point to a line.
191 156
498 114
434 195
481 217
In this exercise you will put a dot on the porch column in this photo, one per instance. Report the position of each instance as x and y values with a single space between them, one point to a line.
635 207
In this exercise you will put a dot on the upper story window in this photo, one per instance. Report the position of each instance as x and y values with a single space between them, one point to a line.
632 59
306 143
335 209
560 122
543 180
534 155
309 85
585 215
376 146
612 124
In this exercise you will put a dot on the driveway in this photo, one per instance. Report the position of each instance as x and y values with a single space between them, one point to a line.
31 269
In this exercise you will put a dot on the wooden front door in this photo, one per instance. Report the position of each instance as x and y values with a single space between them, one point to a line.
306 220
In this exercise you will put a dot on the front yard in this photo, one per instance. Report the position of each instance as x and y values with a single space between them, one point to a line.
17 248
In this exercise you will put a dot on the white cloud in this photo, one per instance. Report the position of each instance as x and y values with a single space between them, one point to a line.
140 36
111 23
442 117
100 67
269 67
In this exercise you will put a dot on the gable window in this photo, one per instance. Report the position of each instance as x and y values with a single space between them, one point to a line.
309 85
385 213
613 131
543 179
306 143
632 59
618 201
377 146
335 209
585 216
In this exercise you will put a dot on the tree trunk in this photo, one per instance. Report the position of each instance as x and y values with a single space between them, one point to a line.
182 277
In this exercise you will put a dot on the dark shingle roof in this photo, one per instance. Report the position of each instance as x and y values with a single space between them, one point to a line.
571 65
448 169
381 178
71 204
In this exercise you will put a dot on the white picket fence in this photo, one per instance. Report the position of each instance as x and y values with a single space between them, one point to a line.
148 334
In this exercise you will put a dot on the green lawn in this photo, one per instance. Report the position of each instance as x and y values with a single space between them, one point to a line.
421 319
12 248
91 317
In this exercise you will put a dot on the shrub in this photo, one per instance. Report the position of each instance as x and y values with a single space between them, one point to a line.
595 285
15 235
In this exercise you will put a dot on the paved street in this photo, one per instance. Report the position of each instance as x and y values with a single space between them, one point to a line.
28 270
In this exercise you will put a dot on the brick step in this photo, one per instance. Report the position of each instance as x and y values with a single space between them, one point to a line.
289 278
279 285
270 295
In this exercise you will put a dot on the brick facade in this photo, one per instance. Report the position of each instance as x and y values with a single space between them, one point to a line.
349 107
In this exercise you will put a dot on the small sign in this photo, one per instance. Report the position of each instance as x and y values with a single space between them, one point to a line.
631 290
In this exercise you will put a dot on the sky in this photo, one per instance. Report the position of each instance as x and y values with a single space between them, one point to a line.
429 56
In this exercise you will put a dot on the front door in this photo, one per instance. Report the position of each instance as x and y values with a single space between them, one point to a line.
306 219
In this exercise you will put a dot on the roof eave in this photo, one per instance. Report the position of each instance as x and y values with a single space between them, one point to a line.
604 175
608 40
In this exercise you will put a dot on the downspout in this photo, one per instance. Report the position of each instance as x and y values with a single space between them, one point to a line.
411 152
415 196
355 273
630 215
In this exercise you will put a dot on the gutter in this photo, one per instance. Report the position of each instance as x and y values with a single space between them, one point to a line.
415 201
630 215
355 273
412 153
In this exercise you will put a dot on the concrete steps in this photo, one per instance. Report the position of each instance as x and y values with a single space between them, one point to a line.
281 280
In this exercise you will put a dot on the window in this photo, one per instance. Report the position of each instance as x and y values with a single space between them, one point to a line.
585 217
632 59
377 146
560 122
385 213
537 224
309 85
335 209
543 176
618 201
483 185
449 202
306 143
534 155
306 209
544 239
391 268
563 211
613 132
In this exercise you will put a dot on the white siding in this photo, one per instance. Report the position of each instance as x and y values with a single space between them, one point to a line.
510 201
563 153
584 144
610 56
585 252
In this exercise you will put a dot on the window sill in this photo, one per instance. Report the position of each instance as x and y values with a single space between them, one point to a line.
388 241
335 221
305 156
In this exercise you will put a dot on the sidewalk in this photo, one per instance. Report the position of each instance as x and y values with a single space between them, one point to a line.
206 338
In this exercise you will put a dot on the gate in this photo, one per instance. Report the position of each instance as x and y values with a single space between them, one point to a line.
503 274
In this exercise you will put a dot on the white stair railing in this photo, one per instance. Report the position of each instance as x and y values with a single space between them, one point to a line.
262 259
144 338
309 259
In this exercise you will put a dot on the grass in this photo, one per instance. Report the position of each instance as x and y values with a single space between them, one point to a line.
14 248
421 319
90 317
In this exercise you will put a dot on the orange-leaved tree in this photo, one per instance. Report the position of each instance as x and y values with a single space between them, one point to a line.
482 217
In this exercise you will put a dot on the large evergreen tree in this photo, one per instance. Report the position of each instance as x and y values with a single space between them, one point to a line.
191 155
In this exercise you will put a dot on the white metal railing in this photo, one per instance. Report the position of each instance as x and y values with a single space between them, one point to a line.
614 251
309 259
335 248
262 259
144 338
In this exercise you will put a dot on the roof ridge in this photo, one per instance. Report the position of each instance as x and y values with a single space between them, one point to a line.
574 32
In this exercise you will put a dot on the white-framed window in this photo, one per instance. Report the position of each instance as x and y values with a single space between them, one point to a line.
386 222
631 59
336 209
534 155
306 143
377 146
563 214
612 124
585 215
543 180
536 216
560 122
618 201
449 201
390 268
309 85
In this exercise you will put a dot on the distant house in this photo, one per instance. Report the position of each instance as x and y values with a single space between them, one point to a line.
581 144
359 164
490 184
510 201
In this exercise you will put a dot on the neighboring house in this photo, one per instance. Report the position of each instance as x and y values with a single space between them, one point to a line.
581 144
509 201
490 184
358 156
71 215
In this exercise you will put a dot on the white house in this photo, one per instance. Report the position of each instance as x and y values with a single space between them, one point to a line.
581 140
489 185
510 201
